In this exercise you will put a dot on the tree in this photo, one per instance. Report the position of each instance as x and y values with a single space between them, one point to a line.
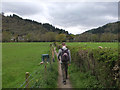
70 37
49 36
0 37
61 37
29 37
6 36
94 38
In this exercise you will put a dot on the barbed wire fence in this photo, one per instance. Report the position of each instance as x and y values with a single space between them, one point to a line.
36 78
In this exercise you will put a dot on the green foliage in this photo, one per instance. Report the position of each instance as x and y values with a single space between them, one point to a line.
49 36
82 80
6 36
46 79
104 37
106 55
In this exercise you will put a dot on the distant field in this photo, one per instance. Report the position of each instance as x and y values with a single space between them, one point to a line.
94 45
18 58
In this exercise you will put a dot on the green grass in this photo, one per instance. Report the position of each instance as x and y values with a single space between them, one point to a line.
82 79
46 79
18 58
94 44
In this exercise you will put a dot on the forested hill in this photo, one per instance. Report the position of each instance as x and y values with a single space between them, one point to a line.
106 33
14 26
108 28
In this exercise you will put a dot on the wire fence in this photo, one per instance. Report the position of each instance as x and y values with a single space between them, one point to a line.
36 79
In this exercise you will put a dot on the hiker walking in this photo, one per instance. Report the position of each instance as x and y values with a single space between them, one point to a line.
64 57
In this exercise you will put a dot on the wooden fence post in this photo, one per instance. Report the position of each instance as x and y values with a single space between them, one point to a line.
27 79
45 65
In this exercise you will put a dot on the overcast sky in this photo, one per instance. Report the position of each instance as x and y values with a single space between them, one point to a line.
75 17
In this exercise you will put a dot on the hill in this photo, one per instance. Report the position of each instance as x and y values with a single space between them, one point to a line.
108 28
14 27
106 33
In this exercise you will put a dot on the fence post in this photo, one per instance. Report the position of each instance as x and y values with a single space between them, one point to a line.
53 58
45 65
27 79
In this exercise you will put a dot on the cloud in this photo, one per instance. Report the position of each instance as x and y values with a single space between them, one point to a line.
72 14
75 17
21 8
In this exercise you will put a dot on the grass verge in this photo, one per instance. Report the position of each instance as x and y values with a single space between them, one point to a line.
82 80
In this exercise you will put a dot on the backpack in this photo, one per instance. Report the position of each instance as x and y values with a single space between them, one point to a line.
65 55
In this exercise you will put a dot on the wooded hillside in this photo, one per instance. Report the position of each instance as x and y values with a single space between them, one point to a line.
15 28
106 33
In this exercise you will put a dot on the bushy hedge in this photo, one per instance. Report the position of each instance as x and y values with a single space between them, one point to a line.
100 62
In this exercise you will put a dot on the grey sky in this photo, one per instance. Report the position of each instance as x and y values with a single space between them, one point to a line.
75 17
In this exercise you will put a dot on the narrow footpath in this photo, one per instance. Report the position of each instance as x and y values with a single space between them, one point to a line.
60 78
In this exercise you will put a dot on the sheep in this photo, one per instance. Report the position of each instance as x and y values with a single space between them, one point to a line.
100 47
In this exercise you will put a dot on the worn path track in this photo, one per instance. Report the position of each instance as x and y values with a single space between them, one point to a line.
60 84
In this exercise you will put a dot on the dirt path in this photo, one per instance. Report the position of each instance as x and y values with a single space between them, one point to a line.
60 78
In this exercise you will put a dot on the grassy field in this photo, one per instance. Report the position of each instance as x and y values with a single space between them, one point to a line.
94 44
18 58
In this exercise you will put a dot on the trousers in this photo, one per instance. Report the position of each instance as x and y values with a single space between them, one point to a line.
64 66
